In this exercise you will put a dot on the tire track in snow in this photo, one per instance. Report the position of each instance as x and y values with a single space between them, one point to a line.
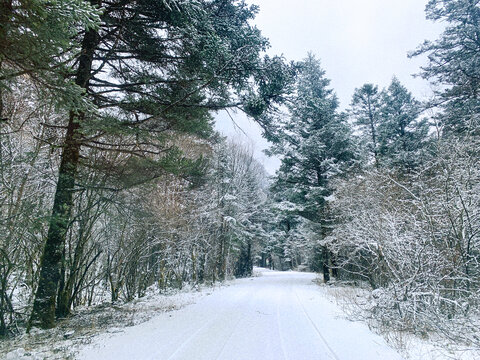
316 328
191 337
197 332
222 349
242 317
280 332
220 315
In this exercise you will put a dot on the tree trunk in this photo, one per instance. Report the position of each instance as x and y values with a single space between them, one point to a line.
371 118
69 278
249 257
62 297
201 270
221 256
43 313
5 14
325 267
194 278
263 260
1 101
6 10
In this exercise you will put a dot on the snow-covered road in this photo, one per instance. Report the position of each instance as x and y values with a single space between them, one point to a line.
279 315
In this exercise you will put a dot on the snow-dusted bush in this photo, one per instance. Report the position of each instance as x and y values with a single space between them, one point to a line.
415 238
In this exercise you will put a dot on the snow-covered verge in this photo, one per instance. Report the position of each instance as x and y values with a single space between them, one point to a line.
86 324
356 303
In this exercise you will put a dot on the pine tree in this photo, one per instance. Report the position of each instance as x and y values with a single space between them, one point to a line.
315 145
366 110
36 42
453 63
315 142
402 135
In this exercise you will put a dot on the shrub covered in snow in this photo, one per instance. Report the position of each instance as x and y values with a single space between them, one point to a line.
415 239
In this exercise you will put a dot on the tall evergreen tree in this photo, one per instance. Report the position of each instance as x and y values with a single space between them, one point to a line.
315 145
402 135
366 110
314 142
454 63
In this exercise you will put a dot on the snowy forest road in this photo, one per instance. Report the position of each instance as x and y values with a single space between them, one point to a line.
278 315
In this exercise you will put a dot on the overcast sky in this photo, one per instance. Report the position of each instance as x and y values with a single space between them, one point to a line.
357 41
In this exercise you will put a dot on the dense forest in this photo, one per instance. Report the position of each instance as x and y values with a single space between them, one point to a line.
112 178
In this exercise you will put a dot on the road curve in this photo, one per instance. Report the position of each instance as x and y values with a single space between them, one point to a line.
279 315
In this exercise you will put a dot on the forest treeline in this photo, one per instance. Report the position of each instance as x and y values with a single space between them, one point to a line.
112 178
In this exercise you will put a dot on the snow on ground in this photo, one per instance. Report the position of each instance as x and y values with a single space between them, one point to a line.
279 315
276 315
354 301
86 324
